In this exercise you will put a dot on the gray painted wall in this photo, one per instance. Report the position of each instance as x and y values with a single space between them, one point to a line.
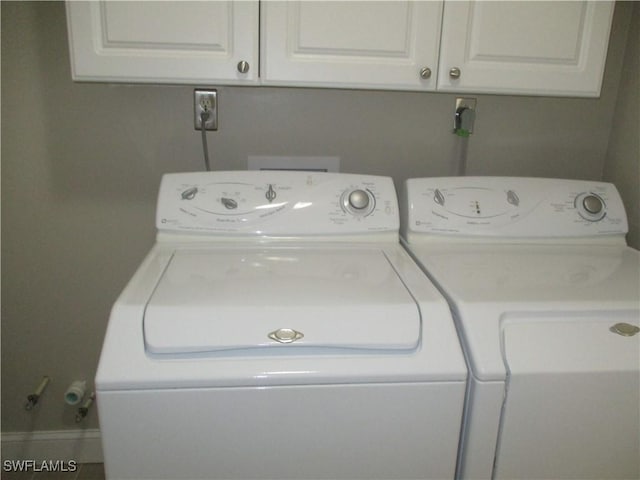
622 166
81 164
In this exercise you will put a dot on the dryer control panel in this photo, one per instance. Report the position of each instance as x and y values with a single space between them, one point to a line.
512 207
277 203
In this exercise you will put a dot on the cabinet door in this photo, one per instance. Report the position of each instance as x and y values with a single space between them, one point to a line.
375 44
163 42
525 47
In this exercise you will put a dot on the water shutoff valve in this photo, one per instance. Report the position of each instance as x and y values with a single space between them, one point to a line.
465 116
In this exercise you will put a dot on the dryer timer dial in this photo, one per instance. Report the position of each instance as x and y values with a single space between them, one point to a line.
590 206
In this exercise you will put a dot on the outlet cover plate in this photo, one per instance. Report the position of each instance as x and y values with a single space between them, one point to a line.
200 99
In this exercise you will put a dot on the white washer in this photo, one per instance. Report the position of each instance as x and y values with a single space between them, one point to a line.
278 329
545 294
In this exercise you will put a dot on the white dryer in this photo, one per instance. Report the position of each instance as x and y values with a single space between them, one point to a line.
545 294
277 329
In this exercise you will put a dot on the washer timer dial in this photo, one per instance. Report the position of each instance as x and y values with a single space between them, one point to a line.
359 202
590 206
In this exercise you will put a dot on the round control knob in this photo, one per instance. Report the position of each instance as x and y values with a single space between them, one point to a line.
229 203
359 202
359 199
592 204
189 193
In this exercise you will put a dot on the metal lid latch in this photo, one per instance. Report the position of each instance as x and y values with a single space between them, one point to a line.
285 335
625 329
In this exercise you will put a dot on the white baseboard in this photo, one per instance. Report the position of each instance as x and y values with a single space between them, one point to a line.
83 446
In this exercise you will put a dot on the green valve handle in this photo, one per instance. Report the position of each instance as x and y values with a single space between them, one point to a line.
464 121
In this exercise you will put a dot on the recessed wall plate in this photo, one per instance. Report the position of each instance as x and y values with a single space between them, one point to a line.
464 103
307 163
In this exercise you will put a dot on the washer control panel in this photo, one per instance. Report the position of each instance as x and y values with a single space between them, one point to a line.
512 207
277 203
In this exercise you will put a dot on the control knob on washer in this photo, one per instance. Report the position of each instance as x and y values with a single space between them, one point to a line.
359 199
592 204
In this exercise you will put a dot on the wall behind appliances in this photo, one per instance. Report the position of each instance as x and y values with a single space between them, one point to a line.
81 165
622 165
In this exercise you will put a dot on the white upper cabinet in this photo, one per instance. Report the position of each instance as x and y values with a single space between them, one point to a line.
388 45
524 47
163 42
506 47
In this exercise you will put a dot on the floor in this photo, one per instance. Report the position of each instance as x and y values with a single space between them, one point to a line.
85 471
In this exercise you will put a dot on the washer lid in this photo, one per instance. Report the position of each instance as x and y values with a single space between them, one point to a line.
228 299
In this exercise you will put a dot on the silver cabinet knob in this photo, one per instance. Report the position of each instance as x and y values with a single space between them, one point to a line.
425 73
454 73
243 67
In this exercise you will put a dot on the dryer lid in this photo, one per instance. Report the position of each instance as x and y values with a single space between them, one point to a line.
327 298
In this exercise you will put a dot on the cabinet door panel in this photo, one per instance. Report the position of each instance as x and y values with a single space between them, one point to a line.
543 48
163 42
379 44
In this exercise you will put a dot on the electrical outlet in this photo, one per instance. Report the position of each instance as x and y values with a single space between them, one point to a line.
205 101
